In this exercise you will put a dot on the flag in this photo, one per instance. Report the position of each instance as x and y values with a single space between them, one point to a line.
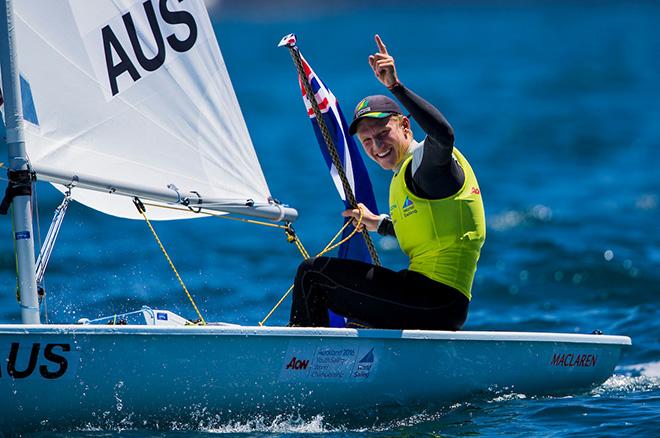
349 155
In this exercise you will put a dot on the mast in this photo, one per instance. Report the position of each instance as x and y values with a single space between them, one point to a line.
19 170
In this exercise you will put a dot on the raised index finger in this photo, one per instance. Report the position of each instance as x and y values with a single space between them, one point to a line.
381 45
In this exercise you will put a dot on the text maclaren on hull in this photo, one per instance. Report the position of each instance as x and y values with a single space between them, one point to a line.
574 360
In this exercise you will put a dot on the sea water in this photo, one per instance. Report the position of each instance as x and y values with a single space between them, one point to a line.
557 107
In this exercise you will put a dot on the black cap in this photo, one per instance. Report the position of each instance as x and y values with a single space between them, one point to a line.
376 107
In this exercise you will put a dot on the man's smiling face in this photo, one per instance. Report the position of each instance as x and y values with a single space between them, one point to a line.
385 140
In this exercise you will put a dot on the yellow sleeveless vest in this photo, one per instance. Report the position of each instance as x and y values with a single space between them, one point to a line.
442 237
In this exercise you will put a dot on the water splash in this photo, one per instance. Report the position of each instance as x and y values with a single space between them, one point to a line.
650 369
279 424
120 404
636 378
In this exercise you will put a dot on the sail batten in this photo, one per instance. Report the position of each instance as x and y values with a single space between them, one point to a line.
135 92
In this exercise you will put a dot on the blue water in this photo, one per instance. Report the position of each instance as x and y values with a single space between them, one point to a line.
557 106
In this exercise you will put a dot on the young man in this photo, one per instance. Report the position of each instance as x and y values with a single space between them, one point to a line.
436 214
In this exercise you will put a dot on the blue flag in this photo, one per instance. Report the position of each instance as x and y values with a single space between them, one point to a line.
349 154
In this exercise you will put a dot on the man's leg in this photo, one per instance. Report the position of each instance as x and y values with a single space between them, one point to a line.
317 277
373 294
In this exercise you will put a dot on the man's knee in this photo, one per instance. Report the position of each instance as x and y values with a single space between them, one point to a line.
304 268
311 264
306 264
310 273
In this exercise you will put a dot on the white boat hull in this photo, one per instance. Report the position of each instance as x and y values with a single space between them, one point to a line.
60 375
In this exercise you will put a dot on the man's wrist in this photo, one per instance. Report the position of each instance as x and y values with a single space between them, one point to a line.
395 85
383 221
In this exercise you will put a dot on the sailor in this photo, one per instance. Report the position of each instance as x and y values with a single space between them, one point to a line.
436 214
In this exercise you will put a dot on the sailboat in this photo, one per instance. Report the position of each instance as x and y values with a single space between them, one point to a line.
113 100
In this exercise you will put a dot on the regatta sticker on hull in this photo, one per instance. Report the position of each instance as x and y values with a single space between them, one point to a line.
329 362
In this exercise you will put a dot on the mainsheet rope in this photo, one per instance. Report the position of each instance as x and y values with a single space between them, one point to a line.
140 207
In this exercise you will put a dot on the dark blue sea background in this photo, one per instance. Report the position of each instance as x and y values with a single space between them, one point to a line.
557 106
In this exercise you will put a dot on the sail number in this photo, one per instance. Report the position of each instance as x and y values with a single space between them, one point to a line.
117 58
50 362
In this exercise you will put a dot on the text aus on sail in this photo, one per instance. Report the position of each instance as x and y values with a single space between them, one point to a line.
141 41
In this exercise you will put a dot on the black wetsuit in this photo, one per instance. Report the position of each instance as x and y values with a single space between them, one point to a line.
437 175
381 297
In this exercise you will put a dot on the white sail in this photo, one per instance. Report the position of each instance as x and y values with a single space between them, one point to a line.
134 91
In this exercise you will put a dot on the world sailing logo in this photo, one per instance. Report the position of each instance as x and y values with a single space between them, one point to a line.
365 365
368 358
143 39
408 207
